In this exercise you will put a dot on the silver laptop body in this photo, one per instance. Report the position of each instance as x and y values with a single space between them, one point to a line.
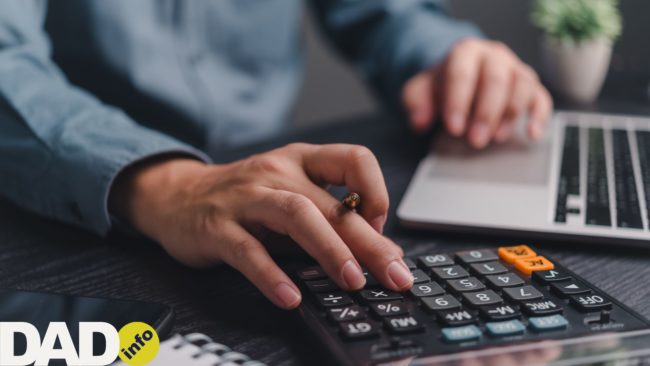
588 178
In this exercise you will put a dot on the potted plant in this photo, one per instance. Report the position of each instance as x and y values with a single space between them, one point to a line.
577 46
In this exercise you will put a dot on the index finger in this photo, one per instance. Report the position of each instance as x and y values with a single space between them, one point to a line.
355 167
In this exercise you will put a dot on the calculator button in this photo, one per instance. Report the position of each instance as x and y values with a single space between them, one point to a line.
321 286
379 295
455 317
568 288
461 334
419 276
446 302
529 265
541 307
488 268
546 323
523 293
505 328
426 289
332 299
358 329
499 312
437 260
370 279
511 254
593 302
482 298
450 273
403 324
553 275
504 280
466 284
388 308
346 314
312 273
410 263
473 256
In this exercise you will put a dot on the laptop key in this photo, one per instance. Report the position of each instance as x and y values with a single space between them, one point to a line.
598 211
643 143
628 211
569 179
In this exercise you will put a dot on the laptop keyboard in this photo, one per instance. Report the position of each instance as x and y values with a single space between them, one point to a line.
611 196
460 301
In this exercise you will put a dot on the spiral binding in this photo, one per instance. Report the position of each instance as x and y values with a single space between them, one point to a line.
206 345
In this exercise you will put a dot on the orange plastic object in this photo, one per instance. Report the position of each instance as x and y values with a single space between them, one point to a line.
511 254
529 265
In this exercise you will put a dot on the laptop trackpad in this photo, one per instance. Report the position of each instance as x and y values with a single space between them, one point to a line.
518 161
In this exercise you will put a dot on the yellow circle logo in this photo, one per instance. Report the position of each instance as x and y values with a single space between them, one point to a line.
139 344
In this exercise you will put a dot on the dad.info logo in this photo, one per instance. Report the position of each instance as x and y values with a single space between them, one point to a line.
136 344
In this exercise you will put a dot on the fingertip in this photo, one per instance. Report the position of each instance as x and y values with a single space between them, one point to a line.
479 135
399 274
455 124
352 275
287 296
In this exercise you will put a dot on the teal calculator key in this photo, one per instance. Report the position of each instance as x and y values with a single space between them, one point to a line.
546 323
505 328
461 334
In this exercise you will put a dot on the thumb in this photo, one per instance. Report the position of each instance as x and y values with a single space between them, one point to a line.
418 97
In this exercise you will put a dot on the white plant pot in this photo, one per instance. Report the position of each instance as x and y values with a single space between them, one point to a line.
576 71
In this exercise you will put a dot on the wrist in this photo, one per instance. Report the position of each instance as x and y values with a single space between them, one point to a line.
143 191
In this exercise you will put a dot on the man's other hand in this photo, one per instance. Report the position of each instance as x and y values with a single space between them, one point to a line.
480 90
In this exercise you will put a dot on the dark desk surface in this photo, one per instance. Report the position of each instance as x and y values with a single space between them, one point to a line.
37 254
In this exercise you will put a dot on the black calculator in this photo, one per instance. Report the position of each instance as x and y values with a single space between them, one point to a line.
470 300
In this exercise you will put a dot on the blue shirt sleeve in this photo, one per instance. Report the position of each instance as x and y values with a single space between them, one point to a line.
60 147
391 40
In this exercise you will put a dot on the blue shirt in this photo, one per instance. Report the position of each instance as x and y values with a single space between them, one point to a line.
88 87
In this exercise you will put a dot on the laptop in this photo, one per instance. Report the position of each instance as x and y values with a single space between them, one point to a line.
587 179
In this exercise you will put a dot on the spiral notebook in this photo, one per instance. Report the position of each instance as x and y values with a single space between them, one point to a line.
197 349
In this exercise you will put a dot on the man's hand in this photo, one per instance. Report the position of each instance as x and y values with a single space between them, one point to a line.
204 214
480 91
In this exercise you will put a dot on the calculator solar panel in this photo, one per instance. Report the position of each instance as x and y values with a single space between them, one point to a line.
474 299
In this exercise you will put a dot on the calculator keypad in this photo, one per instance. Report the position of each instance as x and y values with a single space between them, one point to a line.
465 299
